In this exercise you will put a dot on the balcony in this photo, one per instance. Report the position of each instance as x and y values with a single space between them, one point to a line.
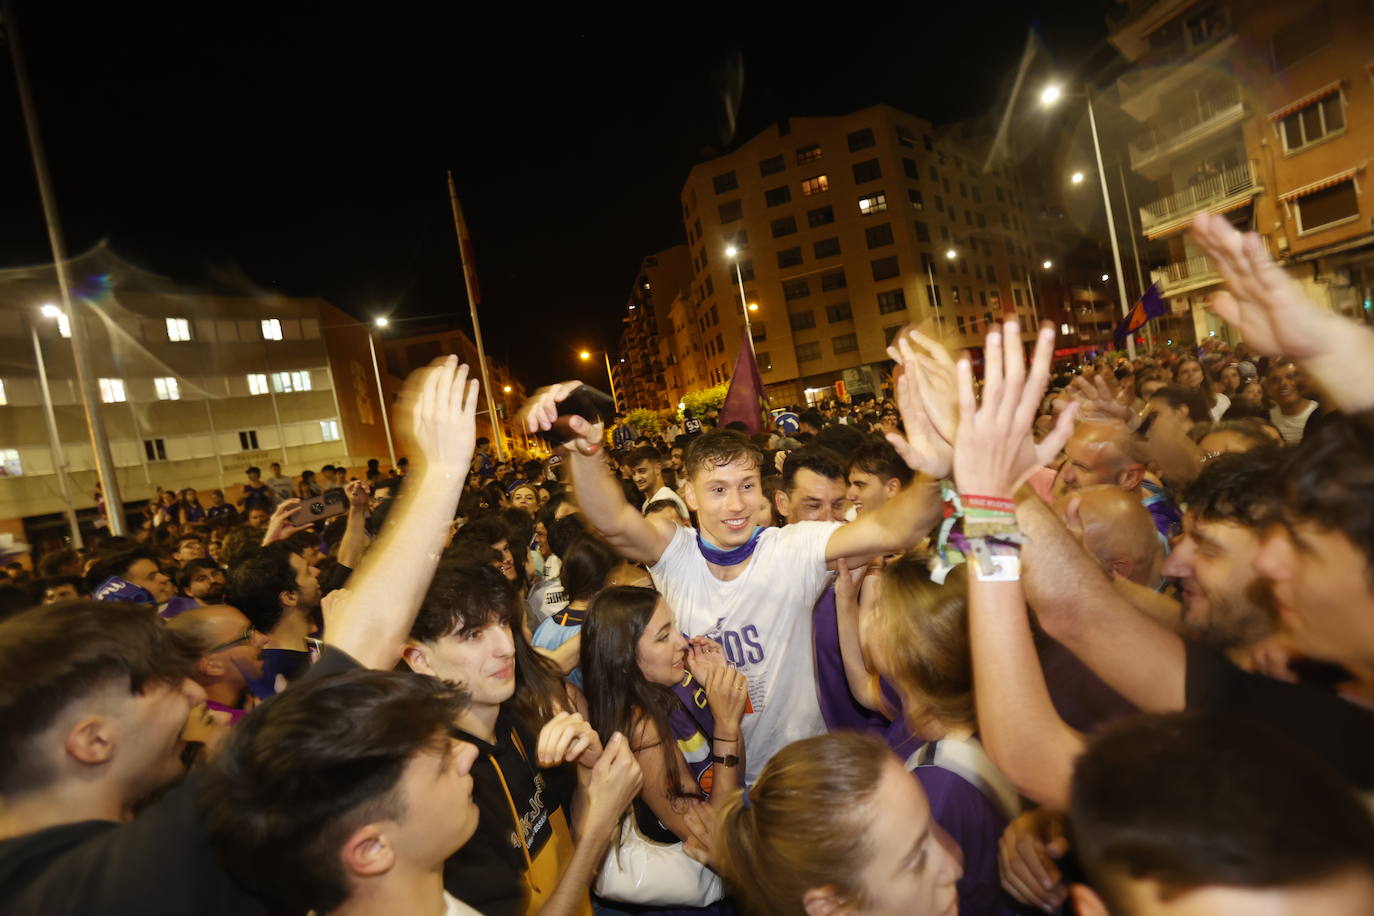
1185 276
1150 155
1216 194
1168 69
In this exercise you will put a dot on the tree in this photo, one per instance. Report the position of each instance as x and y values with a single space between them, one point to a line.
646 421
698 402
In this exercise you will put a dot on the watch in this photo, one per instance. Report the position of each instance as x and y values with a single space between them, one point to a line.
729 760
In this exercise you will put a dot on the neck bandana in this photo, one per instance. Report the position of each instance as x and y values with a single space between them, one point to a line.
733 557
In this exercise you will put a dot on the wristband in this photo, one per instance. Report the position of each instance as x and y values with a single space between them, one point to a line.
729 760
994 567
719 738
995 503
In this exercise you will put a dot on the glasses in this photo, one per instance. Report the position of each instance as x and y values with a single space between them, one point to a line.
247 636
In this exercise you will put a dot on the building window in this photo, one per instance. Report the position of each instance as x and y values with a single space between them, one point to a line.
815 185
64 325
808 352
939 204
878 236
826 248
178 329
730 212
746 270
869 170
820 216
710 286
833 279
922 232
776 196
905 137
844 343
944 233
291 381
960 322
861 139
112 390
873 203
914 197
155 449
1316 122
1328 206
257 383
933 294
992 274
910 169
329 430
796 289
765 360
802 321
725 182
10 463
963 190
995 300
758 330
885 268
977 195
168 389
892 300
954 294
772 165
807 154
271 329
1016 294
838 312
785 226
789 257
890 334
248 440
4 398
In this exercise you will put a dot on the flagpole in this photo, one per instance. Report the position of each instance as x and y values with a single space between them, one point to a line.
1111 223
470 282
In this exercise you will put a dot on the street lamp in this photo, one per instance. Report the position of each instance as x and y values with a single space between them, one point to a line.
381 395
732 253
1076 178
1049 96
586 355
506 389
1047 264
1105 278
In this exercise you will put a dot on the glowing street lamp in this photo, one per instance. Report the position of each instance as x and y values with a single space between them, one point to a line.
1050 94
951 254
1076 178
1047 264
586 355
381 322
732 253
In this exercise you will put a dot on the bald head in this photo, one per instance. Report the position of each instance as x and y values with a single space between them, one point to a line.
209 626
1100 453
1117 529
231 650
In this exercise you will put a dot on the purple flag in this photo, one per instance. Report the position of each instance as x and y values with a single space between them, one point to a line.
745 401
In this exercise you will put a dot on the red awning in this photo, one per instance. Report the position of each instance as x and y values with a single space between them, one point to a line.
1310 99
1318 185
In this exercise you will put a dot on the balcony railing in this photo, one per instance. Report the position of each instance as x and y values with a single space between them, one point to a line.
1181 276
1205 193
1177 133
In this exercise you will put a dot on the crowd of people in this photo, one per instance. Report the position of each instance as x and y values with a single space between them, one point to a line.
1023 638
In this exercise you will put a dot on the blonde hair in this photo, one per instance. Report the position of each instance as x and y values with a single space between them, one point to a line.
918 639
805 823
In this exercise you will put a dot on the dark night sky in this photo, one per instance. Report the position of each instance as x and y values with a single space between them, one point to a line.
306 149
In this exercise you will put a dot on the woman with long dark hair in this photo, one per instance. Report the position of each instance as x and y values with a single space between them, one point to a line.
192 512
684 727
1190 374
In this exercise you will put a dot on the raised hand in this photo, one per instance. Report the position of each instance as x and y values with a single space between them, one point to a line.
994 451
439 407
278 527
568 737
727 692
615 781
920 387
704 655
541 412
359 494
1101 399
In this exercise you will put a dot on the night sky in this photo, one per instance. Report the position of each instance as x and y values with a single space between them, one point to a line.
302 148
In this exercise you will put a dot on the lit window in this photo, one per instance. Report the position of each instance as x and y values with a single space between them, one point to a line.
10 465
168 389
4 398
178 329
815 185
112 390
873 203
257 383
808 154
271 329
329 430
291 381
64 325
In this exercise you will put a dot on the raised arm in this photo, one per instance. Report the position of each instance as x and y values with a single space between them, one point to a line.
438 410
354 540
599 497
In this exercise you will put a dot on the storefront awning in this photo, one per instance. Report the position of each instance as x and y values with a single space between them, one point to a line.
1326 182
1310 99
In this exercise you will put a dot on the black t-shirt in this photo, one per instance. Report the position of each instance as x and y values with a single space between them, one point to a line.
488 873
160 862
1334 729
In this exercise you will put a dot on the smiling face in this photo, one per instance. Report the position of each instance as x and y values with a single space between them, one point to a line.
1282 383
727 499
868 491
1224 603
647 476
662 651
480 660
507 563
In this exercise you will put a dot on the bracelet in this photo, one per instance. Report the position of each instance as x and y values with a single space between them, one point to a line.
995 503
719 738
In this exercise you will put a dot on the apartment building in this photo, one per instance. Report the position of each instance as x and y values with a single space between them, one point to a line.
193 389
1262 111
642 359
846 228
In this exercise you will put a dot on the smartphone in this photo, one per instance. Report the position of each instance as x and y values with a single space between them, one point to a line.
586 402
1143 429
317 508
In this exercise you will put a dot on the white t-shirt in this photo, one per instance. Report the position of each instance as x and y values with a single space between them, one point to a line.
666 492
455 907
1220 407
763 619
1291 427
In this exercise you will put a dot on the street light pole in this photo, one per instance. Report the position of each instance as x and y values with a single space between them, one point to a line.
90 398
59 463
1111 224
733 254
615 399
381 395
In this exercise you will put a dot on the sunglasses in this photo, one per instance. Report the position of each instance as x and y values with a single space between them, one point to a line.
247 636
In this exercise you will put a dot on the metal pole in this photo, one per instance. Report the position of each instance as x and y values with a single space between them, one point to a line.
470 283
90 398
272 393
615 399
1035 309
138 437
214 442
59 463
744 307
1135 249
381 398
931 299
1111 225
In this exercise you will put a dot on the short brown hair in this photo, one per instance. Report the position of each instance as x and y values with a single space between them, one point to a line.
799 832
717 449
54 656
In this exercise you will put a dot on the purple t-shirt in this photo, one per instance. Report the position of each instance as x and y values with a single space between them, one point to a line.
976 824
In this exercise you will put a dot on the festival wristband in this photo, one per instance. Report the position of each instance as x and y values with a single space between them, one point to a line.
994 567
994 503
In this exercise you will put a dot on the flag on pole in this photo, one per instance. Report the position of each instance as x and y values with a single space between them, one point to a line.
1151 305
745 400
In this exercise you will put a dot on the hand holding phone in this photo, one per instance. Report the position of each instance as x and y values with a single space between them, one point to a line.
584 401
327 505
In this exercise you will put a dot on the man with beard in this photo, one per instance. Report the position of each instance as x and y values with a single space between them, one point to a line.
279 593
200 583
232 661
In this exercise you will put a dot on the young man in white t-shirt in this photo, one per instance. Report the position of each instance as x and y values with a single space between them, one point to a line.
646 470
751 589
1291 410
